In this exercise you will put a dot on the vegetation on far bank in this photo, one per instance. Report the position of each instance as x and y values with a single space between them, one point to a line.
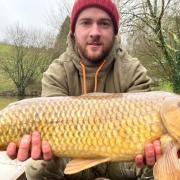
7 87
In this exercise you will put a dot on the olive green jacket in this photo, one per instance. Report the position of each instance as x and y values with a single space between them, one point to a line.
120 73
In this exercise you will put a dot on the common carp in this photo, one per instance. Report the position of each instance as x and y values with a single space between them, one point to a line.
98 128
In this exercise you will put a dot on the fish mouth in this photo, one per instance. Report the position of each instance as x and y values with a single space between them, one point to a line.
178 153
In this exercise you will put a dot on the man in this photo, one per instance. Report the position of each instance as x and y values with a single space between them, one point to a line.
93 62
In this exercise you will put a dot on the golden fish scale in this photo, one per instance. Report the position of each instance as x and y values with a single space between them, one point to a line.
87 126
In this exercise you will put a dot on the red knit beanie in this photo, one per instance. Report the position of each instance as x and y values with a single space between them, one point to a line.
107 5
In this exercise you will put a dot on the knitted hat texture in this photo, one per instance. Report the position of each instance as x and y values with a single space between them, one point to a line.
107 5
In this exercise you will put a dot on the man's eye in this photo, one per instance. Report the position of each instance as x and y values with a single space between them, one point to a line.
105 24
85 23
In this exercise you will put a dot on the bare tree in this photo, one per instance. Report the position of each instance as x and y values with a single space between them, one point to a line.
29 57
146 21
58 19
61 39
56 16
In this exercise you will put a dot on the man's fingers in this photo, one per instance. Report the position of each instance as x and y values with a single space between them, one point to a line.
157 149
46 150
12 150
139 159
24 148
36 145
150 154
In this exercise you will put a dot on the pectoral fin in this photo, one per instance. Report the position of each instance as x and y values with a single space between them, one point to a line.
168 166
78 165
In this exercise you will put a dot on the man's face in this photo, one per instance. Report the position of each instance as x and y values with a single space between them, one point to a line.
94 34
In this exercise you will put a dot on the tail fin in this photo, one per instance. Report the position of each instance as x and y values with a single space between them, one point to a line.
168 165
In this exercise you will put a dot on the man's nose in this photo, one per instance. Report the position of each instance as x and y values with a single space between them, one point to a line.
95 31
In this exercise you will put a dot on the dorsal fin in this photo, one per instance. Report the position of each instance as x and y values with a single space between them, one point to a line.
167 166
102 94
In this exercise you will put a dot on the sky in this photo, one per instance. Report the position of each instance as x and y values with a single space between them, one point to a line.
29 13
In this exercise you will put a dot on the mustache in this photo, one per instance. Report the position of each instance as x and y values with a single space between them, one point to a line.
95 42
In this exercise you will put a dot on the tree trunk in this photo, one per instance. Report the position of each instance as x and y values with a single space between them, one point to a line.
21 91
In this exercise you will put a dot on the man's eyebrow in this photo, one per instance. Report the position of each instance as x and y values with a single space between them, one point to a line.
82 19
105 19
100 19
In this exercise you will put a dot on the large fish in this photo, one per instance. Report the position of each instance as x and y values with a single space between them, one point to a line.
99 128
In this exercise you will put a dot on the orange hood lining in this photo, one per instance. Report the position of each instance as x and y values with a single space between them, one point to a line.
95 78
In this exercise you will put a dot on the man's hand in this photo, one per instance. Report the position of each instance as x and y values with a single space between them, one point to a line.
152 153
34 147
30 146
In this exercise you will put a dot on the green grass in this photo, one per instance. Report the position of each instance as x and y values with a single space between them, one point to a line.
5 84
5 48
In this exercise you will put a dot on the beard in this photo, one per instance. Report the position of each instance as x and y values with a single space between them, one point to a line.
94 57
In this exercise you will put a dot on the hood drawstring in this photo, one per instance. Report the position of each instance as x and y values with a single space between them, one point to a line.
84 77
96 75
95 78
